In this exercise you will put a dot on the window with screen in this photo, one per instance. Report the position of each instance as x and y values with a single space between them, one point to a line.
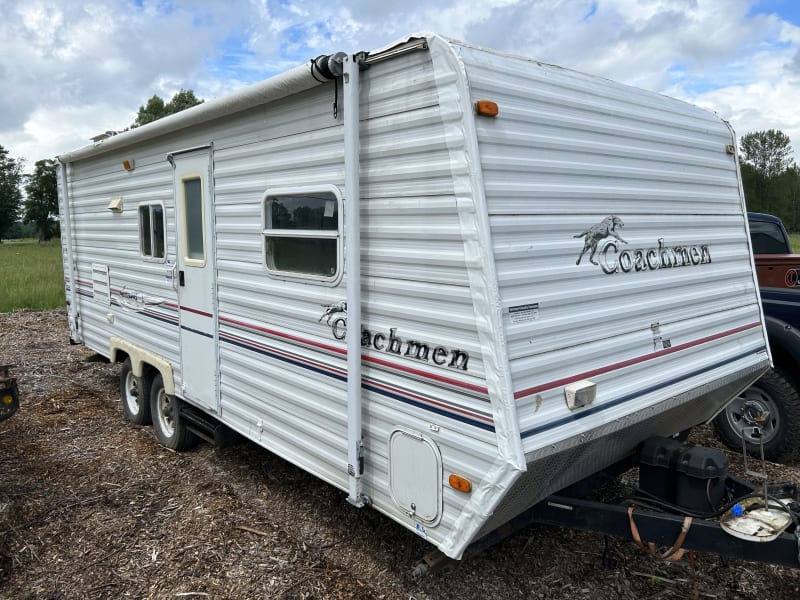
151 231
302 234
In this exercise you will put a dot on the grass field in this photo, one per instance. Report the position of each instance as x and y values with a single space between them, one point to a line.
31 275
795 239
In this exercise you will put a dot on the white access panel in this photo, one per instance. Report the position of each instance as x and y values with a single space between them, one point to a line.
415 475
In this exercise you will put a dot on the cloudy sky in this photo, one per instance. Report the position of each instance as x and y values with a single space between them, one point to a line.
70 69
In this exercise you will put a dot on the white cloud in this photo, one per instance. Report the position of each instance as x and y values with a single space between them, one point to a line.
74 69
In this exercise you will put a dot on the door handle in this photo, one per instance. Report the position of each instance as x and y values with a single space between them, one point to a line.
181 279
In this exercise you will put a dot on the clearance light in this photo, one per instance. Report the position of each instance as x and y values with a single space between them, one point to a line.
128 164
580 393
486 108
462 484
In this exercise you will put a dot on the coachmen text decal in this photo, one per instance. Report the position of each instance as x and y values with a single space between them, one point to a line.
604 241
335 316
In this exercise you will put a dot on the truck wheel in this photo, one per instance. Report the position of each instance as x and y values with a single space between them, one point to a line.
168 424
135 392
775 393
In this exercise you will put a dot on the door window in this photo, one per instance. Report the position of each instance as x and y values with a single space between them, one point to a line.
193 221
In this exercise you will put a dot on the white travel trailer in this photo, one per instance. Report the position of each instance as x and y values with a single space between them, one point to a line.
447 280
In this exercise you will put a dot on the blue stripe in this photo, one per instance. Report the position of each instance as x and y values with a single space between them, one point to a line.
366 386
157 317
283 358
203 333
438 411
610 404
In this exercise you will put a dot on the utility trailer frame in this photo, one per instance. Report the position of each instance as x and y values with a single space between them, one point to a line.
662 529
650 529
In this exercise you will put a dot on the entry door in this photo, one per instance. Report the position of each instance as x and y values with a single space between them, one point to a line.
195 262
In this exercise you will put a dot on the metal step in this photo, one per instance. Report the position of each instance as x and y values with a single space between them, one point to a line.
207 427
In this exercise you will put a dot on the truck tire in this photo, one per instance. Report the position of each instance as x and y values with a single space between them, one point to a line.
775 392
169 426
135 393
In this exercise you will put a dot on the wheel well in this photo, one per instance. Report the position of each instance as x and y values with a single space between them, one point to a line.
148 369
143 361
785 362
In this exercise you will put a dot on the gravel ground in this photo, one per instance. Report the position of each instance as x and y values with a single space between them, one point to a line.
92 507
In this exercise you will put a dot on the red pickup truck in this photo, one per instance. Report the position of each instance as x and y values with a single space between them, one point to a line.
778 390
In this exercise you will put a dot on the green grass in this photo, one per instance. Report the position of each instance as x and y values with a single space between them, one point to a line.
794 238
31 275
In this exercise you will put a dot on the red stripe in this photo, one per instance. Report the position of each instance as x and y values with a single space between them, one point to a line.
430 401
284 335
364 357
367 380
291 356
425 374
632 361
197 312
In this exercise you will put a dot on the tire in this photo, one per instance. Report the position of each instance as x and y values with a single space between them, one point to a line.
776 393
135 394
169 426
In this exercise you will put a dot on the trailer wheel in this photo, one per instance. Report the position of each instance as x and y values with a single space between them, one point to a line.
135 392
775 393
169 426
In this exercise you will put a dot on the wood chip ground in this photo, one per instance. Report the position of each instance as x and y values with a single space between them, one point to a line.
91 507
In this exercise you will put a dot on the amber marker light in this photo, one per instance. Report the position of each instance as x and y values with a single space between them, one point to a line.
128 164
486 108
462 484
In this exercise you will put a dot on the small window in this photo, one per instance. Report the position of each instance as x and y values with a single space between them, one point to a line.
301 234
151 231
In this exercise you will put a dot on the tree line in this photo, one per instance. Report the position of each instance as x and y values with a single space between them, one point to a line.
29 201
770 176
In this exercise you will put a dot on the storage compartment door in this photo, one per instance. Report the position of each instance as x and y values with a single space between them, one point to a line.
415 475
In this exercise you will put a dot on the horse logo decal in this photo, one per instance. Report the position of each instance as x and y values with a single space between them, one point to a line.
596 234
335 316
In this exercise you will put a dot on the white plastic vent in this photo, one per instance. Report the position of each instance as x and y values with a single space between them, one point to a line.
101 288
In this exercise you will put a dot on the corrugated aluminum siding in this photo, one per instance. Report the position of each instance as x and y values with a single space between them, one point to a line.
282 372
567 151
105 238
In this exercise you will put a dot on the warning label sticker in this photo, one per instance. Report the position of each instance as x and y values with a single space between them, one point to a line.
523 313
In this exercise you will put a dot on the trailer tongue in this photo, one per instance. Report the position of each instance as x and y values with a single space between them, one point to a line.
685 500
